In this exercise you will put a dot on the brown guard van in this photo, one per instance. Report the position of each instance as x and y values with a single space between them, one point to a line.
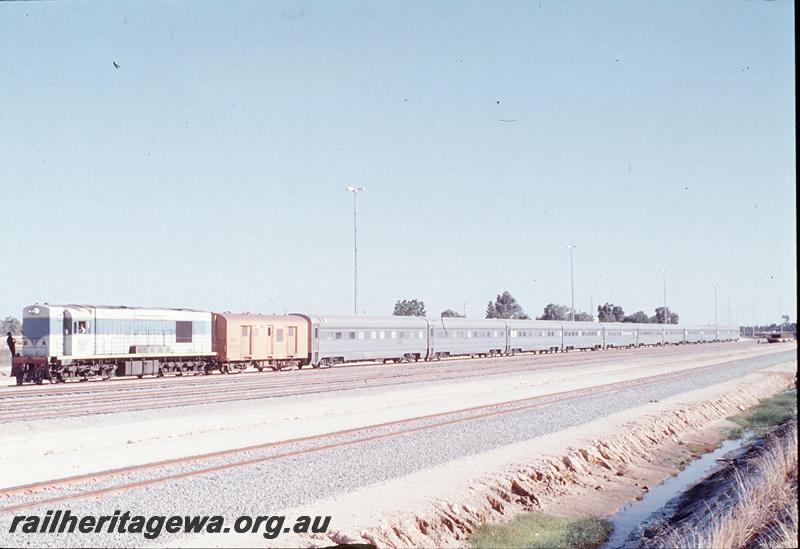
274 341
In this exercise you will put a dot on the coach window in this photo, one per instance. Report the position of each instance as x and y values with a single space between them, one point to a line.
316 333
279 335
420 334
393 334
245 331
338 335
360 335
352 335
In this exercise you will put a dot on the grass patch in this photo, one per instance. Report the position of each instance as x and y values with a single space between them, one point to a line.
768 412
537 530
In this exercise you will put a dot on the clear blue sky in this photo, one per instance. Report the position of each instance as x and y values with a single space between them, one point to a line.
208 171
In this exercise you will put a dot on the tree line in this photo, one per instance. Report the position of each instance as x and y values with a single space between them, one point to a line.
507 307
10 324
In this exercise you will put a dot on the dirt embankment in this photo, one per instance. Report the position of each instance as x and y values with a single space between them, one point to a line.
597 477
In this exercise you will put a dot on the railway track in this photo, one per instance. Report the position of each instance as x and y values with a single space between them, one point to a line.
131 397
8 392
74 488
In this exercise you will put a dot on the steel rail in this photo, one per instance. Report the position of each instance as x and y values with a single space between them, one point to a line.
169 400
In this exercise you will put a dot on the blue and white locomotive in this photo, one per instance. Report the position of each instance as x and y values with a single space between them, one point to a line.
81 341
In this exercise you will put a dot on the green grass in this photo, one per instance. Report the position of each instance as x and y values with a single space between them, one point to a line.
768 412
537 530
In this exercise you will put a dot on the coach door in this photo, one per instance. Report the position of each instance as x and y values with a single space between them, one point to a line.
268 335
67 334
246 350
291 341
279 342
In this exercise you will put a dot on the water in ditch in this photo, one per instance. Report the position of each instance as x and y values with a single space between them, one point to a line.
627 520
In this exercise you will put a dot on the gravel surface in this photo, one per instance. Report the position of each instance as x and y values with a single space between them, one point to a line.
267 487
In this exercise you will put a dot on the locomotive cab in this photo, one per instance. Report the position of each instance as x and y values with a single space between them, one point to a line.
78 329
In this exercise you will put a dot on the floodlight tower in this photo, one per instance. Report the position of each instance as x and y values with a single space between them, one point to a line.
355 191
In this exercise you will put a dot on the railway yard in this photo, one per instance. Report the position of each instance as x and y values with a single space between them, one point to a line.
437 438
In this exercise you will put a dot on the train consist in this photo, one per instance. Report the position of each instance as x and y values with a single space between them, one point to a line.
78 342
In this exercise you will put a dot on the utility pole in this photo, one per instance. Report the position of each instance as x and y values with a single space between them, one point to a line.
666 320
571 282
355 191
